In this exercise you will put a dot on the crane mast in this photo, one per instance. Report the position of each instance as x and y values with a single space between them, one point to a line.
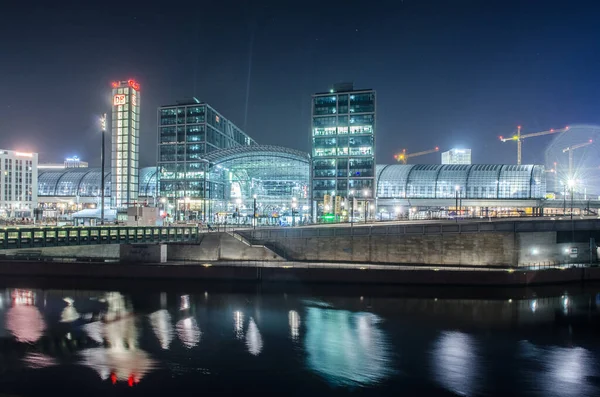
519 138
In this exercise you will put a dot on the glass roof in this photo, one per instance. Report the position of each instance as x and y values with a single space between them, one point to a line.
477 181
86 182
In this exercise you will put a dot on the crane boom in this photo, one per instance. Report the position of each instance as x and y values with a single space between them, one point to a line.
571 149
519 138
403 156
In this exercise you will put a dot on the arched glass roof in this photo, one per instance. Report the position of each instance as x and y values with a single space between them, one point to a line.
274 175
264 150
478 181
86 182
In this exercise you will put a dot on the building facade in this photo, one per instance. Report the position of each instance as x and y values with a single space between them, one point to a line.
187 132
343 151
125 143
457 156
18 183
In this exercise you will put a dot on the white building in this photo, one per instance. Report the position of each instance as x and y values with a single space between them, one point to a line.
125 143
457 156
18 183
70 162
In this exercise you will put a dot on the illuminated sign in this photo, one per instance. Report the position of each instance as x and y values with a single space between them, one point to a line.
24 154
119 99
134 84
134 100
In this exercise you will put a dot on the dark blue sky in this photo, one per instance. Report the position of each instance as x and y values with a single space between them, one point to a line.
447 73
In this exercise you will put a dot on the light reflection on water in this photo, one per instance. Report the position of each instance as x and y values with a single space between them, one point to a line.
566 371
346 348
329 344
455 362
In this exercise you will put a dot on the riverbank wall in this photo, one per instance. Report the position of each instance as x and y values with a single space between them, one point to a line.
289 274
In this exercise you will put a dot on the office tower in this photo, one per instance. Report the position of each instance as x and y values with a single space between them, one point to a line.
343 126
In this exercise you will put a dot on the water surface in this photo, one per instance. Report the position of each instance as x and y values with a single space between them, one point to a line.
160 339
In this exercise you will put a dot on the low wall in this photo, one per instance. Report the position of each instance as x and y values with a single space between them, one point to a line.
105 251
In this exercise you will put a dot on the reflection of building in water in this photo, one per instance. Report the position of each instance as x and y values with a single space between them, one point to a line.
121 359
294 321
254 341
38 360
160 321
188 332
238 324
565 371
69 313
24 320
455 363
346 348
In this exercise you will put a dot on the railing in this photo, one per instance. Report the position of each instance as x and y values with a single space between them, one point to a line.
260 236
15 238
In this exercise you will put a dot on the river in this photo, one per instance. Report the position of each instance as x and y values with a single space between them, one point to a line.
90 337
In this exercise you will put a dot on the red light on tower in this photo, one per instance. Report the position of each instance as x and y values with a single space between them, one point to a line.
501 137
437 148
114 84
567 127
591 141
551 129
133 84
113 378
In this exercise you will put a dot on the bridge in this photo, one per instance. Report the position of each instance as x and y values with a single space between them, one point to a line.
40 237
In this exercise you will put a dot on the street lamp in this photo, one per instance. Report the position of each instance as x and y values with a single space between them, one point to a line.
352 210
103 132
456 189
366 194
237 209
254 212
294 205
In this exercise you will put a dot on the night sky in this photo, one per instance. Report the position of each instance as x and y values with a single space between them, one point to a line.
447 73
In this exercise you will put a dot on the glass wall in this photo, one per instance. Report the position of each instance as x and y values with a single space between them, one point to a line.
277 178
343 148
493 181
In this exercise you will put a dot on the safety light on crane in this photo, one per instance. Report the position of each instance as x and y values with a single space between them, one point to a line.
403 156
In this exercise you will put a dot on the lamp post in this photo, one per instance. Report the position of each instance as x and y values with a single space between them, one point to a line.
237 210
352 209
366 195
456 188
294 205
254 212
103 132
571 183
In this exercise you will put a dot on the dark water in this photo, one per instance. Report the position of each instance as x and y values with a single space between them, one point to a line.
90 338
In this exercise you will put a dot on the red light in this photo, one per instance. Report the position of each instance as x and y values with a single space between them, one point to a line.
113 378
551 129
501 137
591 141
114 84
567 127
133 84
519 127
130 381
437 148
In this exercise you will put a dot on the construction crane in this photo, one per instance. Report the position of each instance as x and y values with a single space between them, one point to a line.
519 138
571 149
403 156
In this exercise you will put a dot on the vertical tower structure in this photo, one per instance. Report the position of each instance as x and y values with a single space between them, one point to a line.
125 143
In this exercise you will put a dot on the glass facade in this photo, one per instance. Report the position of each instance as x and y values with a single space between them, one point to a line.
187 133
87 182
343 149
277 178
125 143
481 181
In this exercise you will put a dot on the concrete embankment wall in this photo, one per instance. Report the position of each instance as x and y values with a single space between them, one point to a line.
485 249
471 244
298 275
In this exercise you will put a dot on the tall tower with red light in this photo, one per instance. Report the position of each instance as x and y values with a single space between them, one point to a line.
125 143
